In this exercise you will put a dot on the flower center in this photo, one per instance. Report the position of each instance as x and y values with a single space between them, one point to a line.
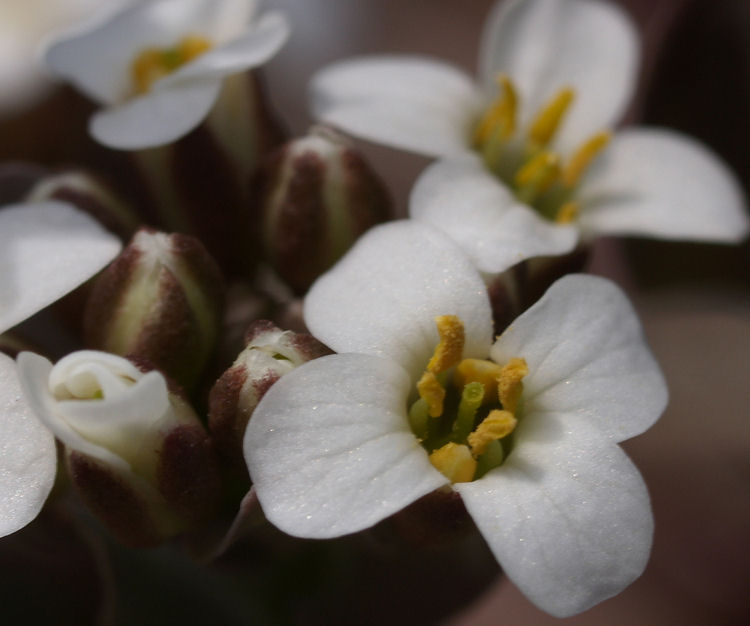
538 176
152 64
466 408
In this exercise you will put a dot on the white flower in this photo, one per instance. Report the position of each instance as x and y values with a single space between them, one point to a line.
157 67
23 26
46 250
539 153
331 451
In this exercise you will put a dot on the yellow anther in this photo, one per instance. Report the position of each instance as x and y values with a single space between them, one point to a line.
448 352
540 173
496 425
455 462
481 371
510 383
583 157
152 64
432 392
500 118
567 213
548 119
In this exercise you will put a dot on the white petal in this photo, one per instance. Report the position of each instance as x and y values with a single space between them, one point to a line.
33 376
411 103
463 199
329 448
587 356
659 183
253 48
545 45
98 62
156 118
567 515
28 459
383 296
46 250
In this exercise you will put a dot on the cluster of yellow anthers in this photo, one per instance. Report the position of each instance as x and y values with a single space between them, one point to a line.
537 174
465 452
152 64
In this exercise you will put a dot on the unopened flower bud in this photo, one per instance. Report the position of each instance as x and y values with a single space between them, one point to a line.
269 354
136 452
315 195
89 194
159 302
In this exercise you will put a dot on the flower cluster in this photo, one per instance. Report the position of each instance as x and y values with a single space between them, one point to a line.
369 376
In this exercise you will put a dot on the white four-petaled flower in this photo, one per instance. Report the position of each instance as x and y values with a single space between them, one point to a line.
575 59
157 67
567 515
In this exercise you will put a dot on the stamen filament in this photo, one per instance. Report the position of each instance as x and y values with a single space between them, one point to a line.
471 400
548 120
583 157
419 418
493 456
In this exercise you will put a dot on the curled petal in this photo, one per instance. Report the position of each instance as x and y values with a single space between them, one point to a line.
464 200
567 515
383 296
329 448
46 250
254 47
545 45
158 117
659 183
33 375
587 356
28 459
407 102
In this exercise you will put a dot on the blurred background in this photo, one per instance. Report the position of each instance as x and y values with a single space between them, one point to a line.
694 299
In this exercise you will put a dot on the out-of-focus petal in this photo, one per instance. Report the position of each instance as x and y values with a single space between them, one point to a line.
567 515
660 183
28 459
410 103
545 45
383 296
463 199
155 118
587 357
329 447
46 250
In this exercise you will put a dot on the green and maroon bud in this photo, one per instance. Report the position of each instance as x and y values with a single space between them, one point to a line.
269 354
90 194
136 452
159 302
314 197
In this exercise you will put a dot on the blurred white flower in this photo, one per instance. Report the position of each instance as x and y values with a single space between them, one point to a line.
529 167
24 26
157 67
333 446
